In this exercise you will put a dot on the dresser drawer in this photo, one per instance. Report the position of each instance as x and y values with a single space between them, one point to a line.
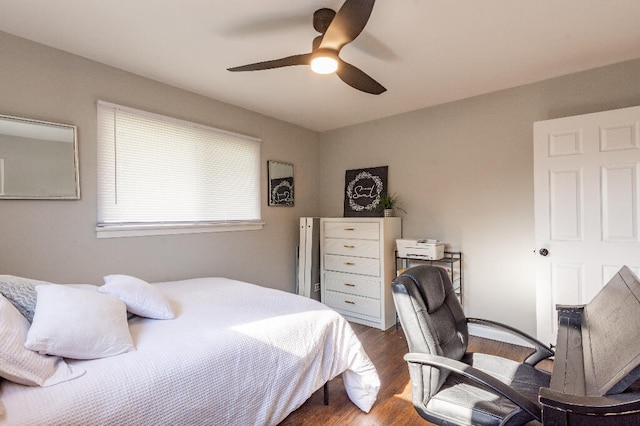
352 284
358 230
351 264
350 247
350 303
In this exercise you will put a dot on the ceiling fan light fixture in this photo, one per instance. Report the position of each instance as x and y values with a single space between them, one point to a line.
324 62
324 65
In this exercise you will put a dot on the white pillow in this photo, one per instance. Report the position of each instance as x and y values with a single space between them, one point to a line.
24 366
141 297
80 324
87 287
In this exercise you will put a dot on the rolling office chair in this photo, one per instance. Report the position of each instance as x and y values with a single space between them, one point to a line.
451 386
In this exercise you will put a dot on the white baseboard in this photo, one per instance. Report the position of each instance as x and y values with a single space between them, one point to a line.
493 334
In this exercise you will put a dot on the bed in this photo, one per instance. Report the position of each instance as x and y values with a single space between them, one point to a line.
235 353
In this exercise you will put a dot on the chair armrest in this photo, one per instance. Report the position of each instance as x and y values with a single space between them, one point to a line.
542 351
478 376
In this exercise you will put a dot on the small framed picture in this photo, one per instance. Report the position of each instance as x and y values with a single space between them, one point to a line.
363 189
280 184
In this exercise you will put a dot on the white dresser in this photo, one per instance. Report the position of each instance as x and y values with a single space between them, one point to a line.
358 265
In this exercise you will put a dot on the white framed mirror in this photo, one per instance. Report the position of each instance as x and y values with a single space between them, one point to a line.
38 160
280 184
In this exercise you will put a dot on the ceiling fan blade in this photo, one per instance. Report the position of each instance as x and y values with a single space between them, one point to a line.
358 79
347 24
304 59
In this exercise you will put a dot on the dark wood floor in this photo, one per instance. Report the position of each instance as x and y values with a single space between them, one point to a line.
393 406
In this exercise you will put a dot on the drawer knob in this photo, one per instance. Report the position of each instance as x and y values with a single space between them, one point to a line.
349 263
349 285
348 246
349 229
350 302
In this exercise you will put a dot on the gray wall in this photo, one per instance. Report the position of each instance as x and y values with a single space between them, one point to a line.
56 240
464 171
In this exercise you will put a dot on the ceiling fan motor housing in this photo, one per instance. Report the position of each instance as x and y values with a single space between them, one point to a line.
322 18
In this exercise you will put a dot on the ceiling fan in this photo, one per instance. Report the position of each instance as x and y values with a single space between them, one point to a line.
337 30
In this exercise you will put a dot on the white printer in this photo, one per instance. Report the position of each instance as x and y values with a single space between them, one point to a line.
420 249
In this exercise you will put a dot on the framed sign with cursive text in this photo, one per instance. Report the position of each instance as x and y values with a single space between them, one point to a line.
363 189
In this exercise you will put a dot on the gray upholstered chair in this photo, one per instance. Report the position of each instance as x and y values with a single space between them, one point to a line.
451 386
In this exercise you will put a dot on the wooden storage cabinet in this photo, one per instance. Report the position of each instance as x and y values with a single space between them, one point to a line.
357 266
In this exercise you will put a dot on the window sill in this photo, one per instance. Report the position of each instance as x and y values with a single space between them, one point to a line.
140 230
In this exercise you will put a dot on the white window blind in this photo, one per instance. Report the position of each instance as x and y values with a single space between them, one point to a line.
161 171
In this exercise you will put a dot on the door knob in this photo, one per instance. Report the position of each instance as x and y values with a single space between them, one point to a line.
543 252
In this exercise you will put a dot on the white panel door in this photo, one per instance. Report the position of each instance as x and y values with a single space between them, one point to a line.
586 178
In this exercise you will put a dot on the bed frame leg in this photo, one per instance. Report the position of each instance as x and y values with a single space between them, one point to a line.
326 393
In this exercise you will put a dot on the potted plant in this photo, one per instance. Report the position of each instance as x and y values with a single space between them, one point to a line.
389 204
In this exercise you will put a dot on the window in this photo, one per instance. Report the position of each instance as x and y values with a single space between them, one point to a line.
160 175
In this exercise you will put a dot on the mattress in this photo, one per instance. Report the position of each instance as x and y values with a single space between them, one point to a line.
237 353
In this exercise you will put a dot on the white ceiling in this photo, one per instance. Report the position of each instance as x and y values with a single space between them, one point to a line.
425 52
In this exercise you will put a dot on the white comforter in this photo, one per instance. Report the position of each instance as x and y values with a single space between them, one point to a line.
237 353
